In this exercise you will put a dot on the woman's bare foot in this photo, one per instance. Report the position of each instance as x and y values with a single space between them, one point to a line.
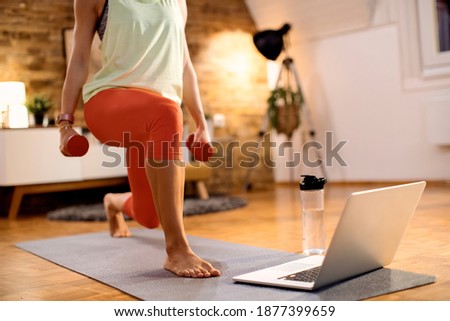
188 264
113 204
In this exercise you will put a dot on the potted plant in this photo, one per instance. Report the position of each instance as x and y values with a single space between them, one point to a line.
39 106
284 110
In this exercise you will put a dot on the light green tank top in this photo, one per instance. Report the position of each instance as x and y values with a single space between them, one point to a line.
143 47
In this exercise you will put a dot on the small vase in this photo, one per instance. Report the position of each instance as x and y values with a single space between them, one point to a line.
39 119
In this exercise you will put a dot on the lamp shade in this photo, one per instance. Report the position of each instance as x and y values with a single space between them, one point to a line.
12 93
270 42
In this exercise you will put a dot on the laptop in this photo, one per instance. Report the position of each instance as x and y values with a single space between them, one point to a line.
366 238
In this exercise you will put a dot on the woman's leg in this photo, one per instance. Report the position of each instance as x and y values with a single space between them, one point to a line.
167 181
114 204
141 205
138 204
165 173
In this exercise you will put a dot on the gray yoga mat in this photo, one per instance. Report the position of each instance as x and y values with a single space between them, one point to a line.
134 265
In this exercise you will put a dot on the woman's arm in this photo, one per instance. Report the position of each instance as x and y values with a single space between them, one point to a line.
191 93
86 13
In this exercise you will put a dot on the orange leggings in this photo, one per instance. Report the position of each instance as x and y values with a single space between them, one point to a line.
148 126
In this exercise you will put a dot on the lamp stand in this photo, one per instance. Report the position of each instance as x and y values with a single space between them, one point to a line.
289 68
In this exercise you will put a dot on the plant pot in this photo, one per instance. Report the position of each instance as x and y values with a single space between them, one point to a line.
38 119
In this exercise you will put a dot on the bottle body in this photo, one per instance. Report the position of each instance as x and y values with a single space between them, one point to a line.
313 225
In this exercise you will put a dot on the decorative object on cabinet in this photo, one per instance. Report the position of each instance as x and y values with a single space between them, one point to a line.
38 107
13 113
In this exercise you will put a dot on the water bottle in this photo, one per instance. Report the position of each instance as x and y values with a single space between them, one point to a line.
313 226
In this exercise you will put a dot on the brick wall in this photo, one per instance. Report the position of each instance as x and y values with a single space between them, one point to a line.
231 73
31 44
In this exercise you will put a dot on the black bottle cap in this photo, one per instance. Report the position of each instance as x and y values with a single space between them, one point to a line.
311 182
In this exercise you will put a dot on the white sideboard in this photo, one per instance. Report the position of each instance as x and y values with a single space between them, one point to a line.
30 162
32 156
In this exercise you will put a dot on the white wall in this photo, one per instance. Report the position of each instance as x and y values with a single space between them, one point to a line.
353 81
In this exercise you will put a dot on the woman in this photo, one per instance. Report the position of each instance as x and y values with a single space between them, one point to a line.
134 102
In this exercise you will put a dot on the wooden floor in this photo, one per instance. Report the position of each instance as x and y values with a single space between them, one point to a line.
271 220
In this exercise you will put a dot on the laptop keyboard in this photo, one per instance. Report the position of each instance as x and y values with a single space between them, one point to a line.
303 276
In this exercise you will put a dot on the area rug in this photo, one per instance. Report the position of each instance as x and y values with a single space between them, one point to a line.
192 206
134 266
